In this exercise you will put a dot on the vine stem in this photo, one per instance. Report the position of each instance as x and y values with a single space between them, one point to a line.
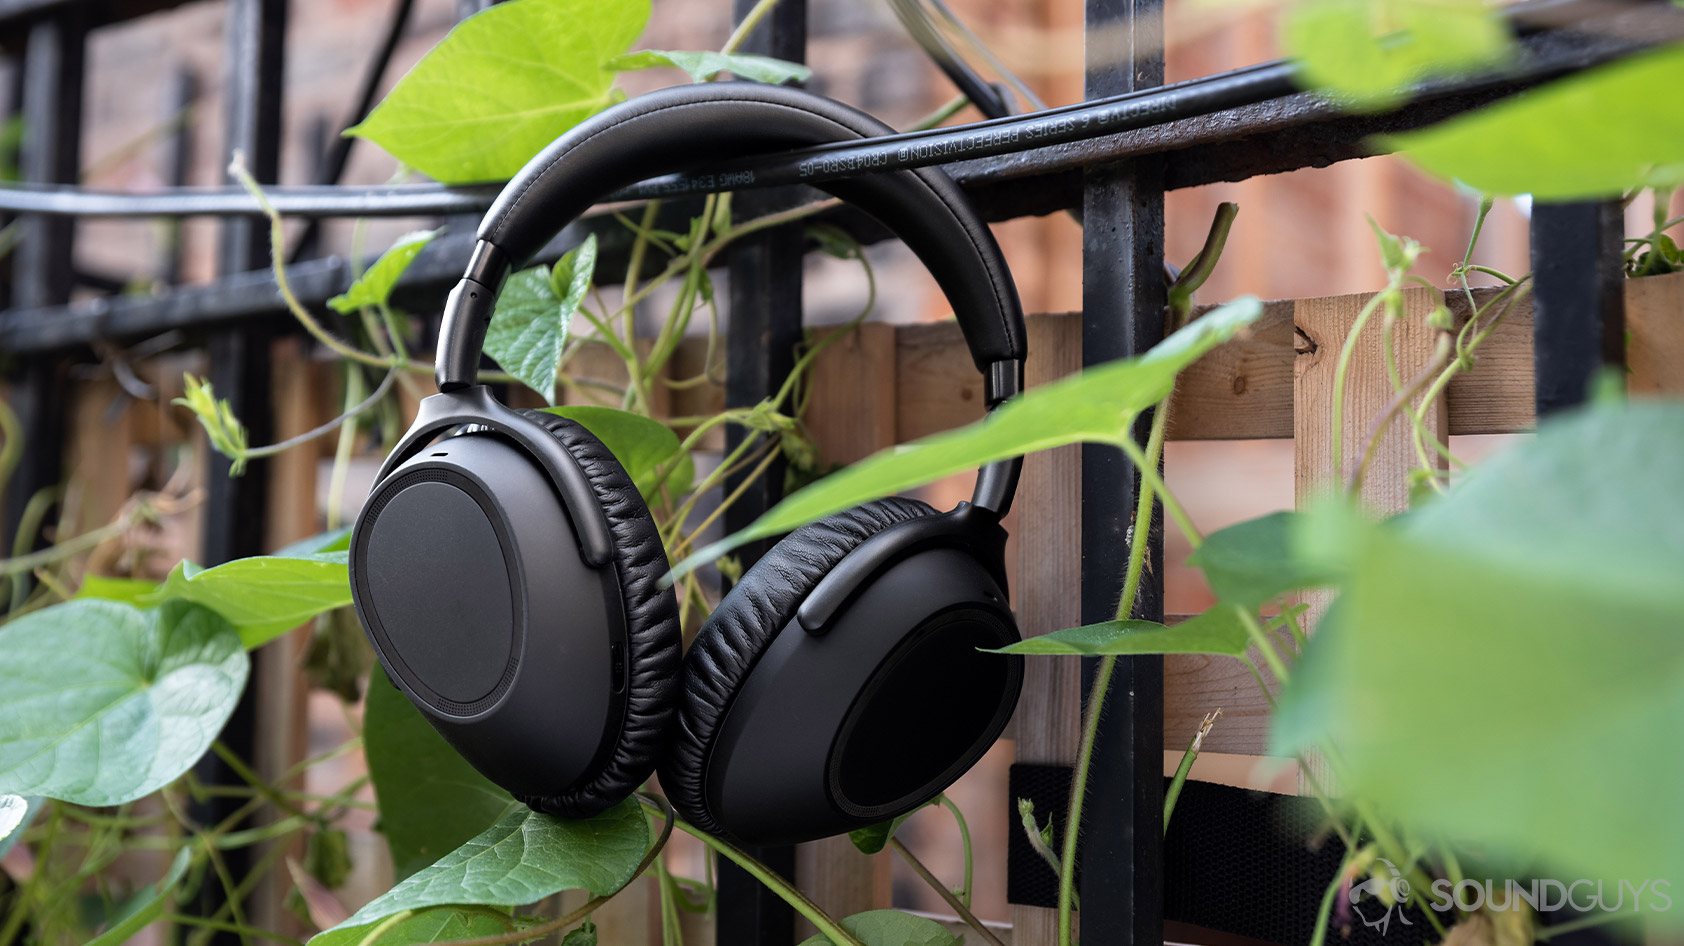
277 237
741 33
1342 368
788 894
965 839
935 883
1149 480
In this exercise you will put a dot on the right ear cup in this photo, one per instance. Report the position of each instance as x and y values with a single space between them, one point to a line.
728 646
787 734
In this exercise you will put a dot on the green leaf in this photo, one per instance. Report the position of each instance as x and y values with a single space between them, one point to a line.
131 590
1096 406
873 838
704 65
146 908
431 800
1217 631
1510 656
1254 561
505 83
890 928
645 447
523 858
1367 53
1596 134
585 935
266 595
16 812
435 925
529 326
102 702
375 287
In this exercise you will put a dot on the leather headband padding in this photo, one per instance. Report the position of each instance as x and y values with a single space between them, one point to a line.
689 127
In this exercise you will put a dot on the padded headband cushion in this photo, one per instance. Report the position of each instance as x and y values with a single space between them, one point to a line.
693 126
743 626
654 642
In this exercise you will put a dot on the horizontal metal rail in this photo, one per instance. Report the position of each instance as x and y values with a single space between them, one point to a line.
1037 143
1271 136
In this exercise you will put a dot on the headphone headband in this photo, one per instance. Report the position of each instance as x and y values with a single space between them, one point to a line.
691 126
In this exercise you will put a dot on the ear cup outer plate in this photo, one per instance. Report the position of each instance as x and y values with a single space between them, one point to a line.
892 705
556 711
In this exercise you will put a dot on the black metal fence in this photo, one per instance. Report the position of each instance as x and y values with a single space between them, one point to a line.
1116 172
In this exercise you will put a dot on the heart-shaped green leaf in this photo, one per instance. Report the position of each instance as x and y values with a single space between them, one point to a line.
263 596
529 325
131 590
16 812
1096 406
1217 631
1596 134
431 800
706 64
645 447
523 858
1509 656
1252 562
890 928
1367 53
102 702
375 287
503 84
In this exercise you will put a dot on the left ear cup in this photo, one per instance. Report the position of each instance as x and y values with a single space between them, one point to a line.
735 636
654 644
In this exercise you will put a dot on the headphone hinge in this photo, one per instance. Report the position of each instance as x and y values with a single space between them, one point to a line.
1001 380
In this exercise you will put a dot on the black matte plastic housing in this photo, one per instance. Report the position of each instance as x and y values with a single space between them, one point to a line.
467 572
875 717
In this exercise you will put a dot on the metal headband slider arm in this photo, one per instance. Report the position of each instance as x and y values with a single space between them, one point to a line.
467 314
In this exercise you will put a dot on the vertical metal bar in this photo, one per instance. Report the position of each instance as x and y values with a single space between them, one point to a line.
765 327
1578 305
1123 303
254 48
178 158
41 267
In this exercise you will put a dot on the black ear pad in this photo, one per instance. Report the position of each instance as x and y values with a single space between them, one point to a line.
731 642
654 644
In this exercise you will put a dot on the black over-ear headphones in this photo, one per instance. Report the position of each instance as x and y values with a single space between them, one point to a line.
509 576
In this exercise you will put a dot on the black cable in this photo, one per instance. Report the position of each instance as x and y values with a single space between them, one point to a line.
1093 119
1132 111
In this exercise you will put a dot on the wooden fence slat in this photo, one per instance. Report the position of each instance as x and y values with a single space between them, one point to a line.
1049 523
1655 328
1326 323
1242 390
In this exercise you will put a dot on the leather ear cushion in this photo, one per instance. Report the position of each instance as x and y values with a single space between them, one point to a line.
744 625
654 643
